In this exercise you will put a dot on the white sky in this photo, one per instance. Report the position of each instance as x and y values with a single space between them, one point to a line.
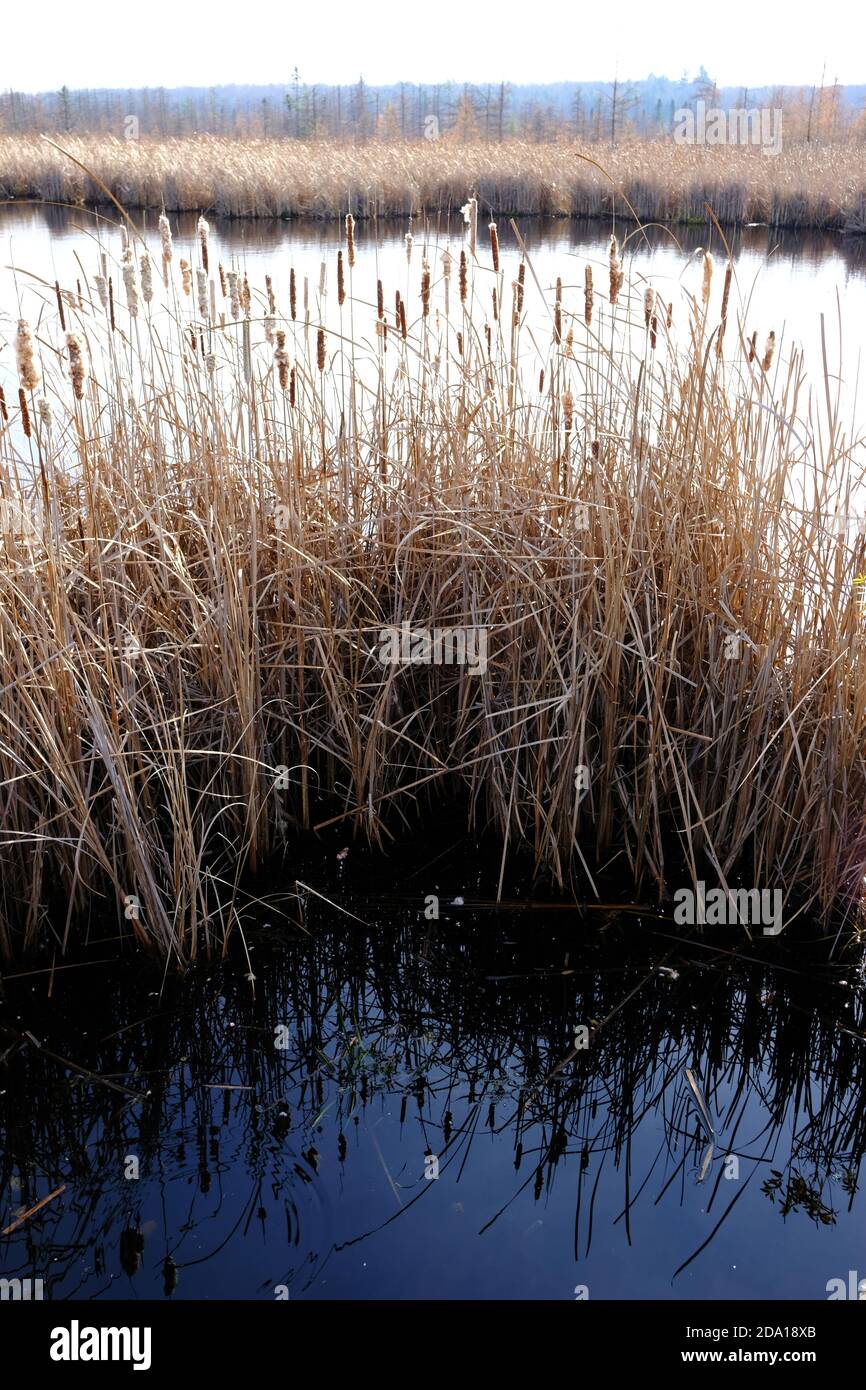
88 45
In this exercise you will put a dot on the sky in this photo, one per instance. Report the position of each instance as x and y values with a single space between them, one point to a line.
334 41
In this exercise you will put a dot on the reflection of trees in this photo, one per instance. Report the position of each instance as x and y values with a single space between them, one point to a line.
473 1033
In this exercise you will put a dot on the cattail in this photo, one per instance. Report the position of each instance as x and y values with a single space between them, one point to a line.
724 322
494 247
101 289
541 381
521 281
654 326
128 272
210 363
269 324
246 297
25 413
487 337
292 387
320 349
569 343
193 340
567 410
768 353
464 277
495 305
146 273
201 288
60 306
753 352
616 271
403 331
281 358
269 290
203 229
45 415
222 280
649 299
397 309
470 217
588 296
459 344
4 412
341 281
350 239
25 357
380 300
234 295
670 317
165 242
186 276
293 294
425 289
410 241
80 295
77 367
708 277
111 304
557 312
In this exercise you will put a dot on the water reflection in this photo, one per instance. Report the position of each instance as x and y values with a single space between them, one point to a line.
466 1107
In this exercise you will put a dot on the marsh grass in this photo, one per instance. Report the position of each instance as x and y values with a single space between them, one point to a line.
806 185
200 552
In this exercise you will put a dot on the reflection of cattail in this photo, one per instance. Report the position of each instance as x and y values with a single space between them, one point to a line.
146 273
26 357
60 306
201 287
4 412
494 246
128 272
425 289
293 294
281 357
234 296
616 271
186 276
649 299
587 296
320 349
463 277
350 239
25 413
77 369
724 323
341 280
708 277
768 353
203 233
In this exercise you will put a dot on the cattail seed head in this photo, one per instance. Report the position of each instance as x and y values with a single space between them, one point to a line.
350 239
724 321
222 275
77 365
769 349
649 299
101 289
293 294
269 290
380 301
234 295
203 229
4 410
567 410
464 277
425 289
753 352
201 290
588 296
25 413
341 280
616 271
25 356
246 297
281 358
45 415
127 267
409 244
186 276
494 246
145 271
60 306
320 349
709 265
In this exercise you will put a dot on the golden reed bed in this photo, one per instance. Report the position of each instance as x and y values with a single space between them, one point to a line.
806 185
217 499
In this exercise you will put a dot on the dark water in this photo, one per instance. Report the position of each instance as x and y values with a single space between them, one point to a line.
303 1162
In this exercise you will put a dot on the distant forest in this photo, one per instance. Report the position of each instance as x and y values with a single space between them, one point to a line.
298 110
